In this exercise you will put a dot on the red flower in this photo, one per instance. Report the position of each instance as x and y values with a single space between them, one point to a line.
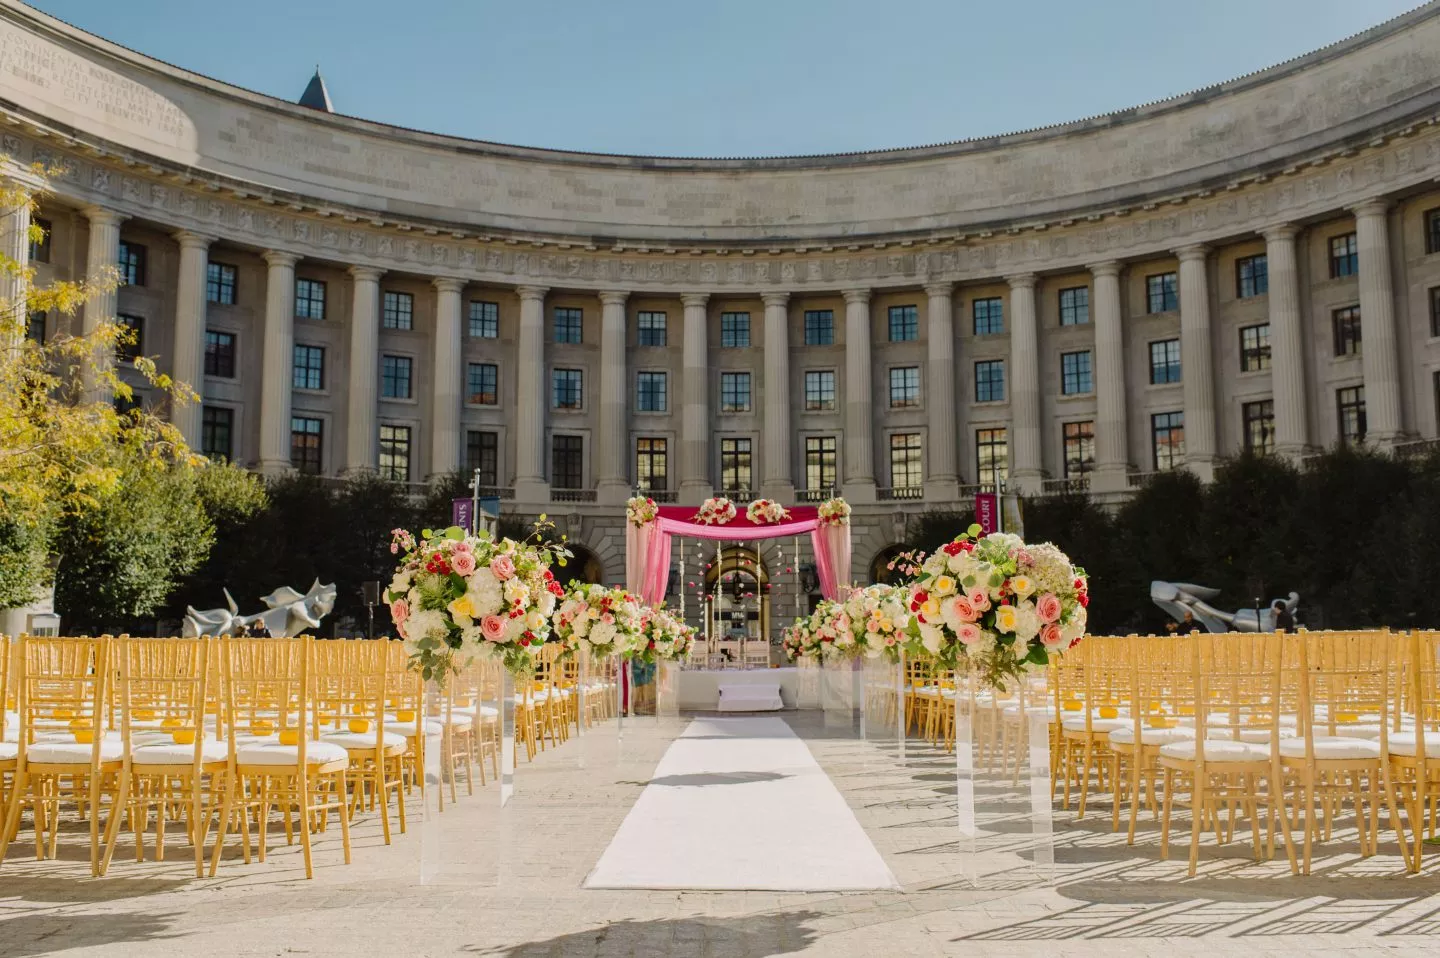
549 576
953 548
1084 600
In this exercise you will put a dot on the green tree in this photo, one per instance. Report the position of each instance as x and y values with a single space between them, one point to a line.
1158 532
1248 529
1086 533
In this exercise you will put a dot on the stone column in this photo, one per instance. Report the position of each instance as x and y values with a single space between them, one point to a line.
859 405
942 480
1287 342
695 486
1112 456
1026 470
101 261
1197 372
1379 356
777 484
530 483
362 436
189 364
15 246
612 487
447 398
277 362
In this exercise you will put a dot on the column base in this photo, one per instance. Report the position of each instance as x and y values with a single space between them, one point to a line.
271 468
612 492
942 489
859 491
1110 478
781 490
1204 469
694 491
532 495
1027 484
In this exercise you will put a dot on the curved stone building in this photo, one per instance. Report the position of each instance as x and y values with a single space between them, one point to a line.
1256 264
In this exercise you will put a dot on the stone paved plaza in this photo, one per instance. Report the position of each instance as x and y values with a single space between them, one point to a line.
518 892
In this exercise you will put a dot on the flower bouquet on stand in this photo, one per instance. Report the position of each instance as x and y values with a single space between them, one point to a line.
880 616
603 621
663 637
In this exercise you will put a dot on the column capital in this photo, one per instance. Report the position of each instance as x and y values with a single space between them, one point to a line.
1021 280
699 300
532 293
366 274
1108 267
275 257
446 284
1195 251
101 216
859 295
775 299
1280 232
939 289
1374 206
192 240
613 297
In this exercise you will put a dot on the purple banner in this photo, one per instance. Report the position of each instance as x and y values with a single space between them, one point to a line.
987 513
462 513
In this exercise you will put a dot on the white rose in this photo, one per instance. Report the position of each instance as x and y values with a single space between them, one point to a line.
956 563
400 584
484 592
547 603
603 634
932 638
534 621
582 625
1027 622
514 628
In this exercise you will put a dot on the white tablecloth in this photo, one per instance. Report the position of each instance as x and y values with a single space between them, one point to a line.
700 689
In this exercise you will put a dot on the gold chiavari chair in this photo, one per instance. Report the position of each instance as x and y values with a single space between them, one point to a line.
267 684
1089 713
1412 756
172 761
9 728
1157 706
62 736
359 671
405 714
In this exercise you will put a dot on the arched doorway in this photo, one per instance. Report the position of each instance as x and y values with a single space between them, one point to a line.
741 609
583 566
881 571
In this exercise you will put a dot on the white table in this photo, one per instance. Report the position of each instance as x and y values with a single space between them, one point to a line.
700 688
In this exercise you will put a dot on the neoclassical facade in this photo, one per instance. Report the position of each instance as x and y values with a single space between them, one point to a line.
1254 265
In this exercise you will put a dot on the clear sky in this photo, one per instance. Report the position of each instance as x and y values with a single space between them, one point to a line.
726 77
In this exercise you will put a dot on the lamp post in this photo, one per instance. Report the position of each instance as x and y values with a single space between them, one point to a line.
371 590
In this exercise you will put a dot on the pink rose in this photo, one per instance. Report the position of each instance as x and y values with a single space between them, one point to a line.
964 609
493 628
463 563
462 546
968 633
399 611
1050 637
503 567
1048 607
979 599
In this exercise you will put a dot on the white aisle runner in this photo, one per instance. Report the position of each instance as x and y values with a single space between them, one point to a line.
740 803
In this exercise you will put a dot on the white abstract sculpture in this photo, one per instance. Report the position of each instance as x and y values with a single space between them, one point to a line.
289 613
1177 598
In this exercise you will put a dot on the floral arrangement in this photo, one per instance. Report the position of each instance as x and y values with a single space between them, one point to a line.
663 635
825 633
604 621
834 512
880 617
456 597
641 510
997 604
715 511
766 512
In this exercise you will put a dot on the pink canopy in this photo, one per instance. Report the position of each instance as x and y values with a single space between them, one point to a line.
647 547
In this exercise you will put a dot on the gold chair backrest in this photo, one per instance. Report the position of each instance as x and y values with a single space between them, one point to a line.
163 681
62 686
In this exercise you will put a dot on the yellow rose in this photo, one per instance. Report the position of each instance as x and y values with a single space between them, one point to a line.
1005 618
931 609
461 606
944 585
1022 585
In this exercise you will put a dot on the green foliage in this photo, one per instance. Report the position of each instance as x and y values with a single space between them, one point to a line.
24 560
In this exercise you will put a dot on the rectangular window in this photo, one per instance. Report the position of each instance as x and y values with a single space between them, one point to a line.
1164 362
567 462
819 391
132 264
395 453
1075 306
735 465
1255 348
484 319
652 466
309 299
1079 448
1351 406
734 392
35 327
482 452
651 392
220 354
397 310
307 438
905 461
1252 276
989 315
1432 231
568 321
40 249
990 380
1167 436
904 324
650 328
1258 421
1435 311
992 457
904 387
821 464
395 377
482 382
1075 378
220 284
1346 323
567 389
309 368
1344 256
132 338
217 428
819 327
734 330
1162 293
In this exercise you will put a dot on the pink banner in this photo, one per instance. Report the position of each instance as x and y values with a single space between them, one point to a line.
987 512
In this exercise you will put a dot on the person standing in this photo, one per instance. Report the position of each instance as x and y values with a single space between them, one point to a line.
1284 620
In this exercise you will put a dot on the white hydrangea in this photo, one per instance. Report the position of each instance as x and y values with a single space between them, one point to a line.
483 590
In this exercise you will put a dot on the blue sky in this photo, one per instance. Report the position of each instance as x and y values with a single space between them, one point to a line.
727 77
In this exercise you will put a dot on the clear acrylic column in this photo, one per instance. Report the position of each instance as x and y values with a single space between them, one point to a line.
667 690
1002 775
807 682
883 705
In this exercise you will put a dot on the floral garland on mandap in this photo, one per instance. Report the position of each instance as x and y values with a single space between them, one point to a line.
997 604
605 621
715 511
834 512
766 512
641 510
456 597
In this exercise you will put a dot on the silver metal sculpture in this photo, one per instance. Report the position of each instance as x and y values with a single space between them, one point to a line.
1177 598
288 613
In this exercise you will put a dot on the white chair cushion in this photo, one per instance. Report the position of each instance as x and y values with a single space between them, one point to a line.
1013 711
407 729
73 752
360 740
1370 730
273 753
1151 736
1331 747
1215 751
1076 723
485 711
173 754
457 719
1255 736
1404 743
8 751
